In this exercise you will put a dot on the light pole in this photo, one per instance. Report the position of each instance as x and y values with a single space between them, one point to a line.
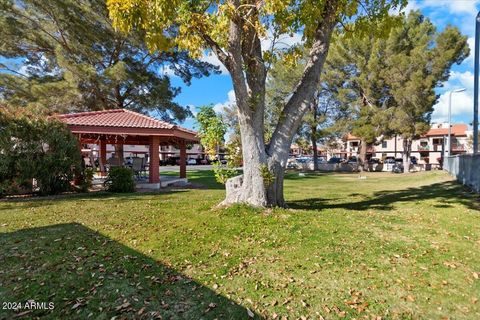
449 146
476 83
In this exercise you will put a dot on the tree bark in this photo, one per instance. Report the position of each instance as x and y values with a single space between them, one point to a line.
362 157
314 146
407 150
261 184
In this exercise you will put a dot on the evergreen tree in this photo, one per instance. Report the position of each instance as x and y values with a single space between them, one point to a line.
359 61
71 59
419 59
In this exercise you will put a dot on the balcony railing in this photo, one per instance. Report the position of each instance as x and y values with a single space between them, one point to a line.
458 147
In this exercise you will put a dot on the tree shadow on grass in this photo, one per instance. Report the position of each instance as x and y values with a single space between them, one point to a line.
445 192
86 274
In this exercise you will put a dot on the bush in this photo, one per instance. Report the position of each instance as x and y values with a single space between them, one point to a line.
120 180
85 179
223 173
37 148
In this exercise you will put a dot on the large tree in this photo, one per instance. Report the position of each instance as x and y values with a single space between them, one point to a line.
233 30
68 57
419 59
389 82
359 62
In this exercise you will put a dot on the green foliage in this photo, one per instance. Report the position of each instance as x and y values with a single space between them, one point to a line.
234 151
267 175
211 131
72 60
86 179
120 180
389 83
36 148
419 60
223 172
198 24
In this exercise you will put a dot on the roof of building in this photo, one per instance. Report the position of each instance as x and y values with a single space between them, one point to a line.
439 130
118 118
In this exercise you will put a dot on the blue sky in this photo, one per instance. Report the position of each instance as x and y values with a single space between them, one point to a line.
217 90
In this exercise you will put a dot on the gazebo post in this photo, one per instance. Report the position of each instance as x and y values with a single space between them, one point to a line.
183 159
103 157
154 171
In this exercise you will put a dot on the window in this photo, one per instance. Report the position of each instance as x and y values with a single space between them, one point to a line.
384 144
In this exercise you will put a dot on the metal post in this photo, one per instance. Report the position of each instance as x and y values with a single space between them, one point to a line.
475 86
449 145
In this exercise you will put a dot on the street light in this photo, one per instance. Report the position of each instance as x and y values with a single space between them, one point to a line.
450 119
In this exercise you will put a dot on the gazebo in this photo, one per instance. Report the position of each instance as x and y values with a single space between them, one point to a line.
125 127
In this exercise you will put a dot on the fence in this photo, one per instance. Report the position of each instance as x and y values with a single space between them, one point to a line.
465 168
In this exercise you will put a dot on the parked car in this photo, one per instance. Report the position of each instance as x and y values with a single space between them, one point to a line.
128 161
389 160
335 160
191 162
397 167
413 160
291 163
374 160
352 160
320 160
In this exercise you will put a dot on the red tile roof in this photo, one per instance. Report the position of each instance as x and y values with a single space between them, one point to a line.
119 118
457 130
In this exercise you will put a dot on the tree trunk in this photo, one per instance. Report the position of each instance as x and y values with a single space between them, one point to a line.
314 146
407 150
119 152
362 155
261 184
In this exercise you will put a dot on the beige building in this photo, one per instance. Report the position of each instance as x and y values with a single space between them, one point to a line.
428 148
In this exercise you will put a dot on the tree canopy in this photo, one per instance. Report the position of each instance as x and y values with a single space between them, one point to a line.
72 59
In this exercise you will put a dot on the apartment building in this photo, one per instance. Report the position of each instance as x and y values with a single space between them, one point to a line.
428 148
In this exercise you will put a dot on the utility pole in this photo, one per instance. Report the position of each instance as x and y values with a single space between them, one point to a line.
475 86
449 146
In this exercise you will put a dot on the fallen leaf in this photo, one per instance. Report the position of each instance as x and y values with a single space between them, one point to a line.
250 313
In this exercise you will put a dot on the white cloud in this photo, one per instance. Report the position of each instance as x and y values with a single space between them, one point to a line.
462 105
211 58
465 79
457 6
284 41
219 107
469 61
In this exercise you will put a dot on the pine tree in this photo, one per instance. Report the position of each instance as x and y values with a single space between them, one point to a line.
419 60
71 59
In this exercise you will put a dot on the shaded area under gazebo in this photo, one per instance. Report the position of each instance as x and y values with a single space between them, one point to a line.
125 127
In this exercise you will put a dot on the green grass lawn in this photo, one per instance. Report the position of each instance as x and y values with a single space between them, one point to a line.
389 246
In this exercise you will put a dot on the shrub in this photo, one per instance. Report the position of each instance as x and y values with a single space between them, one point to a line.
37 148
120 179
223 173
85 178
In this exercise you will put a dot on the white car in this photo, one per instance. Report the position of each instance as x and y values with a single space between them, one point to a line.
191 162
